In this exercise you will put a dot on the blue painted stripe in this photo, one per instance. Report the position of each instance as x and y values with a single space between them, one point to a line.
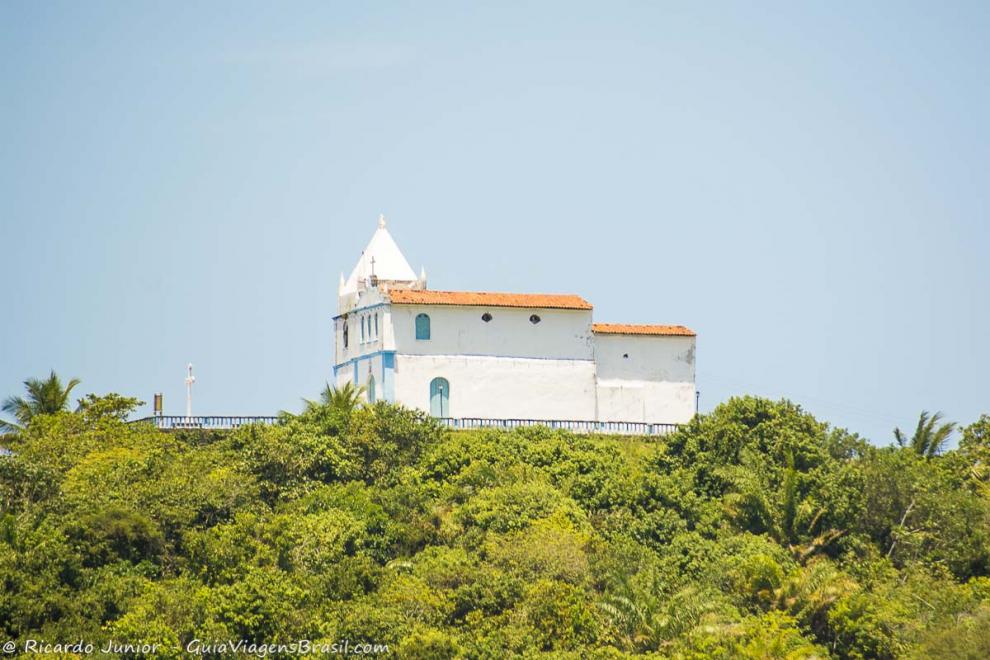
464 355
361 309
388 375
366 356
501 357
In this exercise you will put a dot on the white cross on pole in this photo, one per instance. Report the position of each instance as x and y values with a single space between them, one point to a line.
190 379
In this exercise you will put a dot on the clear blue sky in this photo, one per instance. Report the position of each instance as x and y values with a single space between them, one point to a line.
806 186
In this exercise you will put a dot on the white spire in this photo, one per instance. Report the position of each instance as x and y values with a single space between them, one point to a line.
389 264
340 287
422 276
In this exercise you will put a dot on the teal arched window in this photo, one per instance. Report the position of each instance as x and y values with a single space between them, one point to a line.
422 326
440 397
372 395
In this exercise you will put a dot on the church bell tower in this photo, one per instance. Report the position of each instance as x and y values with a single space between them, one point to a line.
380 268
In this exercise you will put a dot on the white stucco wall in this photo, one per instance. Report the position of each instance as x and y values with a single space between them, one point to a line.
645 401
651 357
645 378
511 388
560 334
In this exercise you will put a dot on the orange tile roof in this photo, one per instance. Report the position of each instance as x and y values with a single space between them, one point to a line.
485 299
622 329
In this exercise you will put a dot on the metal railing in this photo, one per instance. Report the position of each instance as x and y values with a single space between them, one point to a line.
576 426
219 422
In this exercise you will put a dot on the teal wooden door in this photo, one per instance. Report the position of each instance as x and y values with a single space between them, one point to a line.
440 397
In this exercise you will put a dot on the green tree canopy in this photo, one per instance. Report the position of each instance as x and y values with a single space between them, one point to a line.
755 531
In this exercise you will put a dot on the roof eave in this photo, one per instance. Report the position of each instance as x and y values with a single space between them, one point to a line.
486 304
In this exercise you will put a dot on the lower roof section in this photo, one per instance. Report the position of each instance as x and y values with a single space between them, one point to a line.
626 329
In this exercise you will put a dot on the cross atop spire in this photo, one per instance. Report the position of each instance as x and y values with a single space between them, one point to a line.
383 259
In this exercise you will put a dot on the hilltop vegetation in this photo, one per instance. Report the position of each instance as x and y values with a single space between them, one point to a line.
756 531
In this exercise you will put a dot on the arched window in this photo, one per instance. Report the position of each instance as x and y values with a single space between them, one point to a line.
422 326
440 397
376 324
362 329
345 333
371 389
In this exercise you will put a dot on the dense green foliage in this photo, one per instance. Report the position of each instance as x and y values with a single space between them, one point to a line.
755 531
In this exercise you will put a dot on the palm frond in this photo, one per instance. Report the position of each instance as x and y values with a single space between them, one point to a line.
10 427
940 438
44 397
930 435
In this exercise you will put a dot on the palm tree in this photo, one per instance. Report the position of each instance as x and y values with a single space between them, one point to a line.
44 397
645 621
810 591
344 399
930 436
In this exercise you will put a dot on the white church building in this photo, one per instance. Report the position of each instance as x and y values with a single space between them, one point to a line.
504 356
